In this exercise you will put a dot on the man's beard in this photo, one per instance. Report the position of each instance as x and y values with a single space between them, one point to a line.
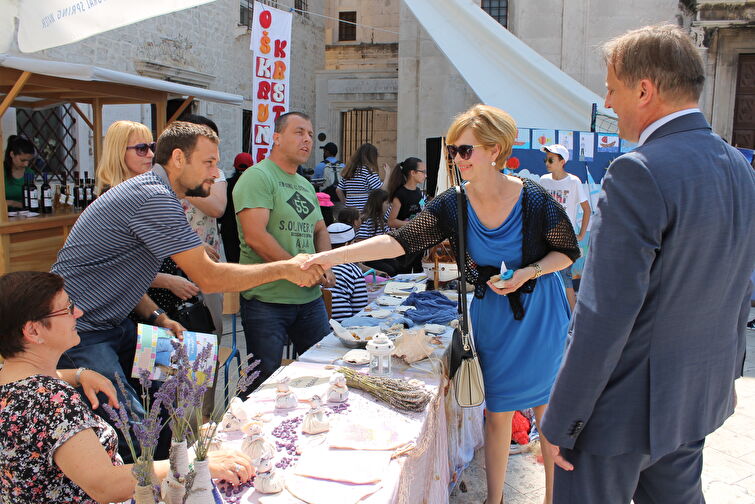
198 191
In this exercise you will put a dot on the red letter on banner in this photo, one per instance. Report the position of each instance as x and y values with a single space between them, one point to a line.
280 48
278 110
266 18
261 154
263 90
265 67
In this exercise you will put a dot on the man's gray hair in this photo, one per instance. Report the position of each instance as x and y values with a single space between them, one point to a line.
664 54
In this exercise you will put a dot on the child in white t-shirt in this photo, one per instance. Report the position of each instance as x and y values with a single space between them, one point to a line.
567 189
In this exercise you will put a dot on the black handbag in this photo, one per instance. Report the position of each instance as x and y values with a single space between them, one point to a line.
195 316
464 366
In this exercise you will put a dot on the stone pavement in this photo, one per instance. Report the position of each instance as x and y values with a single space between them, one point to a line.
728 457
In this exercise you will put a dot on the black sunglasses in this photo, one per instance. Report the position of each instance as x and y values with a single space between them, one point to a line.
63 311
550 160
142 148
464 151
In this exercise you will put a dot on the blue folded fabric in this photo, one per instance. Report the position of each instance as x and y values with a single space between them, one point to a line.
361 320
432 307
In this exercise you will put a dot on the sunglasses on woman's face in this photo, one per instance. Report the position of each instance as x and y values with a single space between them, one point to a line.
142 148
464 151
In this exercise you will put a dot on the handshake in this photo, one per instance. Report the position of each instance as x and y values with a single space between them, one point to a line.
305 271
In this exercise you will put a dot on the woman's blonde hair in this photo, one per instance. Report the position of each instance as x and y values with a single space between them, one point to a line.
112 169
491 126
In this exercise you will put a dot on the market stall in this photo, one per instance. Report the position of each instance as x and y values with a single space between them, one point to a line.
32 242
371 450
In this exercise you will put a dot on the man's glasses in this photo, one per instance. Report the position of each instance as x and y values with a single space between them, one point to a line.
549 160
142 148
464 151
68 310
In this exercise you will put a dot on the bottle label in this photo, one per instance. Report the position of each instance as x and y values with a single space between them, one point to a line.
34 200
71 200
63 198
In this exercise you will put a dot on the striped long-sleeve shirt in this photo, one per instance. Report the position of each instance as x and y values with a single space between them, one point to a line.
349 293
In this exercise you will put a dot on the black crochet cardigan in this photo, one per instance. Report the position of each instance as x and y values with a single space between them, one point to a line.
545 227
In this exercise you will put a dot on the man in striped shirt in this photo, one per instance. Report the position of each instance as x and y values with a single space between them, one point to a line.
349 295
115 249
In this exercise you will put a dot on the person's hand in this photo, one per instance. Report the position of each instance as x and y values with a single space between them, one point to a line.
231 466
386 168
93 382
328 279
182 288
513 283
559 459
211 252
174 327
324 259
301 276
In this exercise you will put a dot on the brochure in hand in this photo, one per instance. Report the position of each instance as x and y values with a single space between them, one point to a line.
154 351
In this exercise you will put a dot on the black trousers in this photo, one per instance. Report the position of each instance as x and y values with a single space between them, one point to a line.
671 479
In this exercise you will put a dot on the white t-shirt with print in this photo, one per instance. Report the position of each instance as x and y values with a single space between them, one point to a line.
568 191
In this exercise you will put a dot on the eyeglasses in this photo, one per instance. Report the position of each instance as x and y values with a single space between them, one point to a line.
68 310
464 151
549 160
142 148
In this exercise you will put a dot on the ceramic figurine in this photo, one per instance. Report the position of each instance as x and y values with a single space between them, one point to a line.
235 417
285 398
316 419
269 482
338 392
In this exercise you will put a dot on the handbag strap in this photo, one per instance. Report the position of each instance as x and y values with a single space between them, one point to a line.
461 206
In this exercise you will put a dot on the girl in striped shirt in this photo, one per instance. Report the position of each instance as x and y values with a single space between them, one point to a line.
350 291
360 177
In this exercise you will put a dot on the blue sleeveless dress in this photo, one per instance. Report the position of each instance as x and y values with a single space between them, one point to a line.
519 358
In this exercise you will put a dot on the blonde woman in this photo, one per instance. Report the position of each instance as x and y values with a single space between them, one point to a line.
127 151
519 328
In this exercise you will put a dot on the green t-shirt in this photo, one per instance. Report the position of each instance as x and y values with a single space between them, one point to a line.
294 211
14 188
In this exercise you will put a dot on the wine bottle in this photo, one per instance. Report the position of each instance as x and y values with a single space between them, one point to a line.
46 195
25 192
76 191
33 195
87 190
90 191
62 192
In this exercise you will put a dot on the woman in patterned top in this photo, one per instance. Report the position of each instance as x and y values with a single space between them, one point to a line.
54 448
360 177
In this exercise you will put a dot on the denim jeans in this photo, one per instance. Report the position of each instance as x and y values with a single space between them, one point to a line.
268 327
109 352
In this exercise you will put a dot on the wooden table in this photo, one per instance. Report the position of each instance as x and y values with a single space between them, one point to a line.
32 243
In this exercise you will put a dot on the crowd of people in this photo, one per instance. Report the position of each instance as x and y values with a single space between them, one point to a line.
626 379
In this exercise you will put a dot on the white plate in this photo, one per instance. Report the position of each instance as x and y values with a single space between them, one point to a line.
380 313
435 328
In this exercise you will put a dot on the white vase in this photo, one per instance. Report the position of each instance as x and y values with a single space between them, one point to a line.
201 491
144 495
173 488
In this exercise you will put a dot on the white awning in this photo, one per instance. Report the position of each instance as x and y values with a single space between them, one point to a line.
503 70
77 71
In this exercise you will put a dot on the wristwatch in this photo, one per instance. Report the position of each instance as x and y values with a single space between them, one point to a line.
77 377
153 316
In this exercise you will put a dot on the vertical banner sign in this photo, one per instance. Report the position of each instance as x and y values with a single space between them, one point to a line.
271 44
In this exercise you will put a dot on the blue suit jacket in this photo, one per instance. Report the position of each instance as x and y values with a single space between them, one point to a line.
657 336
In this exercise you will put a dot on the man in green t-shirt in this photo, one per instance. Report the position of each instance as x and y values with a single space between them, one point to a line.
278 216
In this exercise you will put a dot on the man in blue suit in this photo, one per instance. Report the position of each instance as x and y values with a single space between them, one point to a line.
658 333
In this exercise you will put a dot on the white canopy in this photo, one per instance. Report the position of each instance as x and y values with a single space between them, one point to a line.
81 72
503 70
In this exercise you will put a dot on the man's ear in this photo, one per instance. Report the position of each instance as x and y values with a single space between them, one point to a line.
177 158
646 91
276 137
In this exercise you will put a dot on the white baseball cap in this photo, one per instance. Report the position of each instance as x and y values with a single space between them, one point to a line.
340 233
557 149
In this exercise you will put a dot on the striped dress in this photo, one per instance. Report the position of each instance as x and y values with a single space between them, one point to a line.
349 293
369 228
358 188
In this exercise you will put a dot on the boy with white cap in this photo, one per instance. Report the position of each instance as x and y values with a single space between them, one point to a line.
567 189
350 291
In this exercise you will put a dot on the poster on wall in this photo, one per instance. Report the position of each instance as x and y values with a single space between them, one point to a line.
586 144
566 138
522 140
608 142
271 44
543 137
